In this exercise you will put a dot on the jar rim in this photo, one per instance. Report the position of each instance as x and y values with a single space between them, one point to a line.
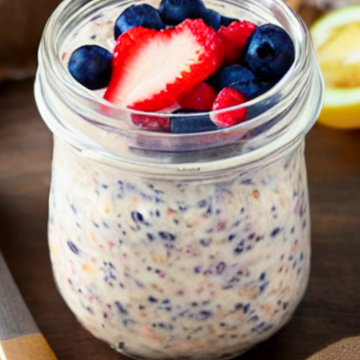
49 59
63 76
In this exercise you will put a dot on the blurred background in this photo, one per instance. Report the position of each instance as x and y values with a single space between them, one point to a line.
21 25
22 22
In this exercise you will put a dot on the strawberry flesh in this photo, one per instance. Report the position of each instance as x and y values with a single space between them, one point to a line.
234 38
200 98
151 68
226 98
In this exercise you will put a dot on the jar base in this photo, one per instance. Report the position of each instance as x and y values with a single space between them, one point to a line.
225 357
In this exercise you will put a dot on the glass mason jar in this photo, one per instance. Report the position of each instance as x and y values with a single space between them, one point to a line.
178 246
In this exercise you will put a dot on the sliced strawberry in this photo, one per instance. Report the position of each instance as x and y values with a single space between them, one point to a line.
151 68
151 123
228 97
200 98
234 39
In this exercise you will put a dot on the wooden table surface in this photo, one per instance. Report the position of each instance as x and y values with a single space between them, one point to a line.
329 311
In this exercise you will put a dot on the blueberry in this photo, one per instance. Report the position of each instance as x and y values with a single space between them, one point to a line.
190 124
73 247
269 52
226 21
212 18
173 12
250 88
229 75
138 15
90 65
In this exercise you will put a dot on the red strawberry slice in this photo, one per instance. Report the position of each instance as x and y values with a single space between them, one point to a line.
151 68
228 97
234 39
200 98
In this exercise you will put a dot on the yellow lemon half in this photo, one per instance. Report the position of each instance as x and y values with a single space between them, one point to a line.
336 39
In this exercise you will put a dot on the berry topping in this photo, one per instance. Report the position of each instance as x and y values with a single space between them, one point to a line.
234 38
227 98
191 124
151 68
151 123
90 65
229 75
239 78
138 15
173 12
270 52
226 21
212 18
200 98
185 55
251 88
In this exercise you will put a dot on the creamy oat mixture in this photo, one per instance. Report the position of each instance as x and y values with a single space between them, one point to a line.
165 269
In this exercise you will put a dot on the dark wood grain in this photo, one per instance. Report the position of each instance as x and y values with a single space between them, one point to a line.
329 311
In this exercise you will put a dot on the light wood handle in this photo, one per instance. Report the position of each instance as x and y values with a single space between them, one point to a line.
29 347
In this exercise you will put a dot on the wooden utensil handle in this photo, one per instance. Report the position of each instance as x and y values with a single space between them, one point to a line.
29 347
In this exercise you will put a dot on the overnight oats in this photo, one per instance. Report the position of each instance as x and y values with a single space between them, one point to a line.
179 215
